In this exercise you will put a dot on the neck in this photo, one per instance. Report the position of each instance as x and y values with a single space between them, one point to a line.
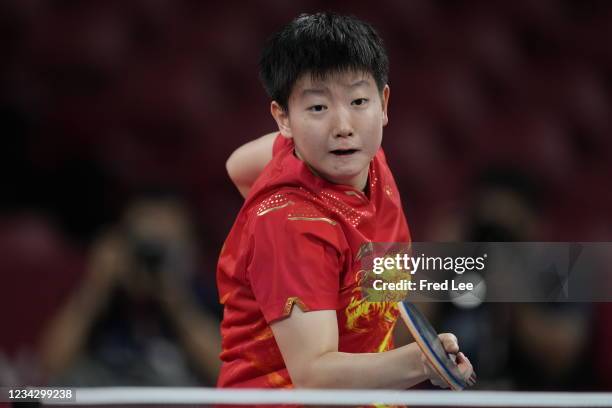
361 181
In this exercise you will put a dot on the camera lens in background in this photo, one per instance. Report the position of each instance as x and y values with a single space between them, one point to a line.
150 254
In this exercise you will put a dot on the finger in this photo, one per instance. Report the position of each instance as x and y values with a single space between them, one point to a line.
472 381
450 343
473 375
463 361
472 378
462 358
465 366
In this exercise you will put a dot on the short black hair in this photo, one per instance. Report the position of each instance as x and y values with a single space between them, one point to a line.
321 44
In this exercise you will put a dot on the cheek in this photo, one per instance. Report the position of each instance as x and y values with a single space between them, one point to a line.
372 127
309 137
375 142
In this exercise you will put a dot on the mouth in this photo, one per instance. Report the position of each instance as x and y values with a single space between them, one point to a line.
344 152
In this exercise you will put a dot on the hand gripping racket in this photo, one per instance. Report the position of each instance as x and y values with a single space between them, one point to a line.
431 346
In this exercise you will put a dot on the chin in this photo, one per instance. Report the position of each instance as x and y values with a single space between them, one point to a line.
346 178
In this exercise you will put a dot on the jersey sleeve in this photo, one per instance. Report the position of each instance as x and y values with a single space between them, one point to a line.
295 262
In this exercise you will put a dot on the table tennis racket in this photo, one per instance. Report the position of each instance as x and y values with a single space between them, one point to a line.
431 346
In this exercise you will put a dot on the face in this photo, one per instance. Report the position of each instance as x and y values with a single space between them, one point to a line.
336 124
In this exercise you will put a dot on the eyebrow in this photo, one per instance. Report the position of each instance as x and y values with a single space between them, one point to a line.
323 91
314 91
359 83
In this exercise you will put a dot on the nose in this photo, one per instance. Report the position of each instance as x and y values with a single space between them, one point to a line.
343 127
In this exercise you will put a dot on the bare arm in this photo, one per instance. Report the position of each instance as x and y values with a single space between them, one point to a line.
197 330
309 345
65 336
246 163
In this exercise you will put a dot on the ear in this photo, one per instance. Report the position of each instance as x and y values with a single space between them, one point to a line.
385 102
281 117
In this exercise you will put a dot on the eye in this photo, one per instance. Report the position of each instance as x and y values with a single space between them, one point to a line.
360 101
317 108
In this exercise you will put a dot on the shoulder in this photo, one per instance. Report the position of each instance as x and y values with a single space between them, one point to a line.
381 158
291 214
281 142
381 166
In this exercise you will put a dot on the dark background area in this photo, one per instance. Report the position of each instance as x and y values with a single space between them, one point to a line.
101 100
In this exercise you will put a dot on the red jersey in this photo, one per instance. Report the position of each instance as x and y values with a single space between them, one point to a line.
296 241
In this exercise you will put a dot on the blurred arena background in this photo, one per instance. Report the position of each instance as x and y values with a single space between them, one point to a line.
117 113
